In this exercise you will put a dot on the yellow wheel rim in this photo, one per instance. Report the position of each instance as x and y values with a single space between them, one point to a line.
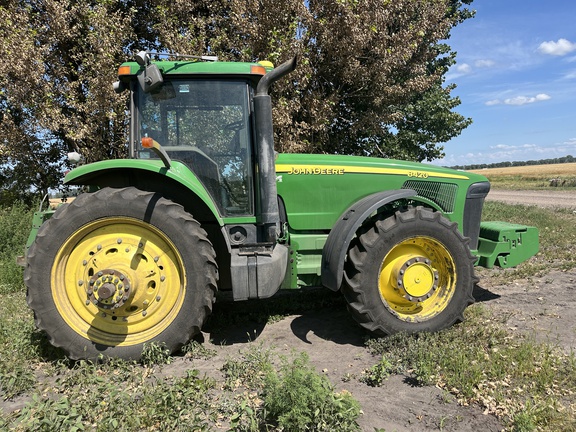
118 281
417 279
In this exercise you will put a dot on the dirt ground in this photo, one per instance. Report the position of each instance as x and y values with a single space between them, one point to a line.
541 198
545 308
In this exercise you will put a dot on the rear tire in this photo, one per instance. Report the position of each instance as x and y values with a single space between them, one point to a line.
117 269
409 272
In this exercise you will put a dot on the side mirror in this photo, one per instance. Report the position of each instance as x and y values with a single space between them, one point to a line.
151 78
118 87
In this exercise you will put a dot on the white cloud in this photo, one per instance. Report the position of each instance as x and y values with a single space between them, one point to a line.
523 100
464 68
458 71
486 63
559 48
506 152
513 147
519 100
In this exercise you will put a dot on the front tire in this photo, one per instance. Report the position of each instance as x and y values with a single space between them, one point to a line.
409 272
117 269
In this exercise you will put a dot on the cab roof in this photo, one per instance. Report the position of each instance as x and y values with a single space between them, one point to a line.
199 67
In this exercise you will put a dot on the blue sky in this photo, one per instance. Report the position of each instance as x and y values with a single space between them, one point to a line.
516 78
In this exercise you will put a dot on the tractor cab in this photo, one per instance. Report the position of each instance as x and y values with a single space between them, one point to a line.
206 125
199 113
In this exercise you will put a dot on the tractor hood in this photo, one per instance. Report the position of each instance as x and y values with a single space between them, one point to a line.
333 183
334 165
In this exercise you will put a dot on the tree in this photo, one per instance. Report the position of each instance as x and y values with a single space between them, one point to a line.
367 68
370 79
59 59
378 67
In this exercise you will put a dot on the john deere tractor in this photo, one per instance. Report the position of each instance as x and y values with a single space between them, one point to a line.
203 203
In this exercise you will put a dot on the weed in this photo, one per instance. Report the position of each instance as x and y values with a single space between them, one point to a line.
246 415
196 350
377 374
298 398
155 354
50 415
121 396
249 370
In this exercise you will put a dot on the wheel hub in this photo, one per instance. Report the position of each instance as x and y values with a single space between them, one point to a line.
417 279
108 289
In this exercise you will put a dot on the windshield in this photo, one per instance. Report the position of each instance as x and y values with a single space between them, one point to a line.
205 125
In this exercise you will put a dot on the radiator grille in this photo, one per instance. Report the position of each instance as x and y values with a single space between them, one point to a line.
443 194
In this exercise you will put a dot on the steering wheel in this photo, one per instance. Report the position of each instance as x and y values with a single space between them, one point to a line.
235 126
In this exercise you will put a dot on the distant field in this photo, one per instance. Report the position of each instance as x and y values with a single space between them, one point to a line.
532 176
565 169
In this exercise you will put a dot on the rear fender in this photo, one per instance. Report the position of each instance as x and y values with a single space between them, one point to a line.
338 242
177 182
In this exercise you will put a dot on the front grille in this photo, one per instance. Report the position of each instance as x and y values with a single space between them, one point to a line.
443 194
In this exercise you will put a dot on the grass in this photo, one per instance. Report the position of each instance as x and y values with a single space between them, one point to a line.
14 229
531 386
557 230
532 176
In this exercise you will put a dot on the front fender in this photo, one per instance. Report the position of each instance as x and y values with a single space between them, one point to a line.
341 234
131 172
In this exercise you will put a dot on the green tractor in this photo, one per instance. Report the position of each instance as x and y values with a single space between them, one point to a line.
204 204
